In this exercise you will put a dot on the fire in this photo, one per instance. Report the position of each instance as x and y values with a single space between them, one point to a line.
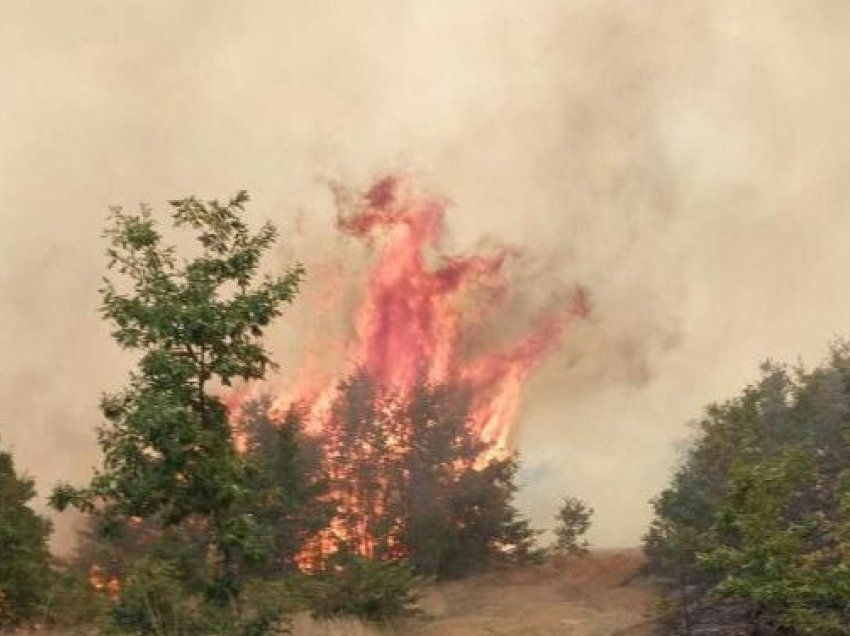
412 318
413 323
108 584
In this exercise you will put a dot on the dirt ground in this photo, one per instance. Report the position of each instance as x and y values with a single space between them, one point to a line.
596 595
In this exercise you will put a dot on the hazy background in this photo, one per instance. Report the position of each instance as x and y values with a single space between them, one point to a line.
686 160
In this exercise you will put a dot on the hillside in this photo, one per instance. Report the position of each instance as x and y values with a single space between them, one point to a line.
598 595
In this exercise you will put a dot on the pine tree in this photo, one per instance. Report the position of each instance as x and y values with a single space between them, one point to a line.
287 483
412 481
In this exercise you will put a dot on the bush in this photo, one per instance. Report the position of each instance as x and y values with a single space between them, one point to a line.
573 521
155 600
375 591
72 604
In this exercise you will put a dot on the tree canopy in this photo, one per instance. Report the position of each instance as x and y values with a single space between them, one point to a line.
24 555
754 527
197 321
412 481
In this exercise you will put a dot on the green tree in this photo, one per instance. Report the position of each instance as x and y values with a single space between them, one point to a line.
572 523
197 322
754 527
413 481
441 452
24 556
772 549
286 479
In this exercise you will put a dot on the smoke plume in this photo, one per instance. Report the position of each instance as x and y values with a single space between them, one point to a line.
685 161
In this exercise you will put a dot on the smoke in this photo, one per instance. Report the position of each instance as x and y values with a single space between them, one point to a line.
685 161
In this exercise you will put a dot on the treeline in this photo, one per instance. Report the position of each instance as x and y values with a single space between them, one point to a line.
201 524
346 522
753 534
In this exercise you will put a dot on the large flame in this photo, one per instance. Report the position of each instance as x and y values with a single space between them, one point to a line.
413 317
411 328
412 325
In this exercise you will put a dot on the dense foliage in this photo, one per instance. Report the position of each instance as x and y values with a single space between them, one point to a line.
754 529
155 601
200 522
197 320
411 481
370 589
288 486
25 576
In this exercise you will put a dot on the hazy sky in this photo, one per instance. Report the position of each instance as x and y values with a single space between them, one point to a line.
686 160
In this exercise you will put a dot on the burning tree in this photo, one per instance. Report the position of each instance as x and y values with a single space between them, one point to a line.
410 480
416 433
287 480
406 458
168 452
419 317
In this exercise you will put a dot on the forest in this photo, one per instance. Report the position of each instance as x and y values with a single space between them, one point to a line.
546 333
209 519
204 519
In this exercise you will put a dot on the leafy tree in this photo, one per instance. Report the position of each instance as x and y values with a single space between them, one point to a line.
573 522
24 557
756 519
197 322
773 550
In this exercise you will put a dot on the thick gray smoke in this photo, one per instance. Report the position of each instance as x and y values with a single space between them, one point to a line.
685 160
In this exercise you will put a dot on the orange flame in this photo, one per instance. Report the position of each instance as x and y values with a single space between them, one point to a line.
414 319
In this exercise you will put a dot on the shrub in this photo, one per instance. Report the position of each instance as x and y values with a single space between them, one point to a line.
375 591
155 600
573 521
73 606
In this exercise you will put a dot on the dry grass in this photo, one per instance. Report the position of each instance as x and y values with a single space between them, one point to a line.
597 595
306 626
